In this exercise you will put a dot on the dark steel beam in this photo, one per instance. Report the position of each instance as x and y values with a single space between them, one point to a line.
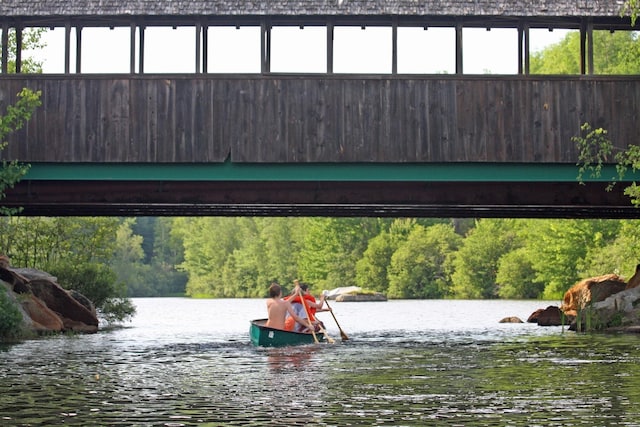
289 198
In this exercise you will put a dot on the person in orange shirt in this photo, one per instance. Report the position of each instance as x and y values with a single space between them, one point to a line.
312 306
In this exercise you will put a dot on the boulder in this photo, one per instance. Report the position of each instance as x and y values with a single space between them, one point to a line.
59 300
634 281
88 304
45 305
77 326
589 291
619 312
32 273
550 316
44 319
511 319
364 297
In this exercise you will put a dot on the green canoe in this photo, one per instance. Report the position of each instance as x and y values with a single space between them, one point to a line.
264 336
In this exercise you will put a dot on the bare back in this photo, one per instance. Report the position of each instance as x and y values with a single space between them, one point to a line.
277 309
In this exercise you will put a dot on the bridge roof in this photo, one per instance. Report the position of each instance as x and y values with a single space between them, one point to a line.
236 8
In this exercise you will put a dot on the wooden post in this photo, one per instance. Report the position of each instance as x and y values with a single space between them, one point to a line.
18 48
394 45
459 69
78 49
205 49
265 46
583 50
5 47
67 47
590 46
330 47
132 48
198 46
141 50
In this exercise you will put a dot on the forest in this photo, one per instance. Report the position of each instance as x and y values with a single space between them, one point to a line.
238 257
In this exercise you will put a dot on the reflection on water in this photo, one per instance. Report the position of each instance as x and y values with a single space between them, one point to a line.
184 363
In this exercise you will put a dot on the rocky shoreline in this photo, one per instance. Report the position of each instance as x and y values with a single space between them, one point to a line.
46 307
603 303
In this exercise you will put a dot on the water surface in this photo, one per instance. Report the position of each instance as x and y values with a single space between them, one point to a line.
412 363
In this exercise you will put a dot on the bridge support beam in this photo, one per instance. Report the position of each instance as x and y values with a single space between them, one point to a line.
320 198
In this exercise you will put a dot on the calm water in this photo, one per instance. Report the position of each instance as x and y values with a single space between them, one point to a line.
414 363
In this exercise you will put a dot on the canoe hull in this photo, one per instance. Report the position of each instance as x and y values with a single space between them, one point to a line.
263 336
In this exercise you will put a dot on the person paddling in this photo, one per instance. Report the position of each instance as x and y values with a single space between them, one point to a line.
303 296
277 309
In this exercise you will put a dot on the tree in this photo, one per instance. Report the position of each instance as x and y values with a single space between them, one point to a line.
14 119
614 53
373 267
476 263
557 249
616 255
418 268
31 40
127 260
516 277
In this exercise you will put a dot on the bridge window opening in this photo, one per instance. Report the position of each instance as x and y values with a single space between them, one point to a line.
490 52
543 43
616 53
51 54
431 51
299 50
169 50
233 49
32 60
106 50
362 51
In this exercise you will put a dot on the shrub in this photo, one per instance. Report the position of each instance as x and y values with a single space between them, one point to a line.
11 322
98 283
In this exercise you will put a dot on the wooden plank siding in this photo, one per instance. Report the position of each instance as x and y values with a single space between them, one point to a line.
301 119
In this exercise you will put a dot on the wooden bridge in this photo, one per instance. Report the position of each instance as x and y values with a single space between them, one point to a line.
393 144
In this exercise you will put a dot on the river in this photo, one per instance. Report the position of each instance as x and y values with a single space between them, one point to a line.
184 362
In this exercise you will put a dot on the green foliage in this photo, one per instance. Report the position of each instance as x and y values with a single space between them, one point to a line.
617 254
558 249
476 263
14 119
418 266
631 8
31 41
77 250
11 322
99 283
614 53
331 248
371 269
516 277
594 150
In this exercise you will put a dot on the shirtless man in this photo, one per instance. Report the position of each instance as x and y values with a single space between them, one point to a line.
277 309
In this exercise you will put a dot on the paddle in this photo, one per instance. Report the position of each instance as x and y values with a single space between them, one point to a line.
326 334
342 334
304 305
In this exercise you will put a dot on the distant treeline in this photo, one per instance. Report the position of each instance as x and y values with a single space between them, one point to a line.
404 258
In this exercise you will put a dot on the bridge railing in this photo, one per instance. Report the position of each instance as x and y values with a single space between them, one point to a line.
323 118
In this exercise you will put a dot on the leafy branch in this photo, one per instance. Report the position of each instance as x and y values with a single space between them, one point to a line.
631 8
14 119
595 150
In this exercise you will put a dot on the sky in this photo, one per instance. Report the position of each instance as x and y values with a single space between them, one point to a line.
297 50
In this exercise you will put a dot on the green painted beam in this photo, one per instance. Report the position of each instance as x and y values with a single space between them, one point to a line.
490 172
